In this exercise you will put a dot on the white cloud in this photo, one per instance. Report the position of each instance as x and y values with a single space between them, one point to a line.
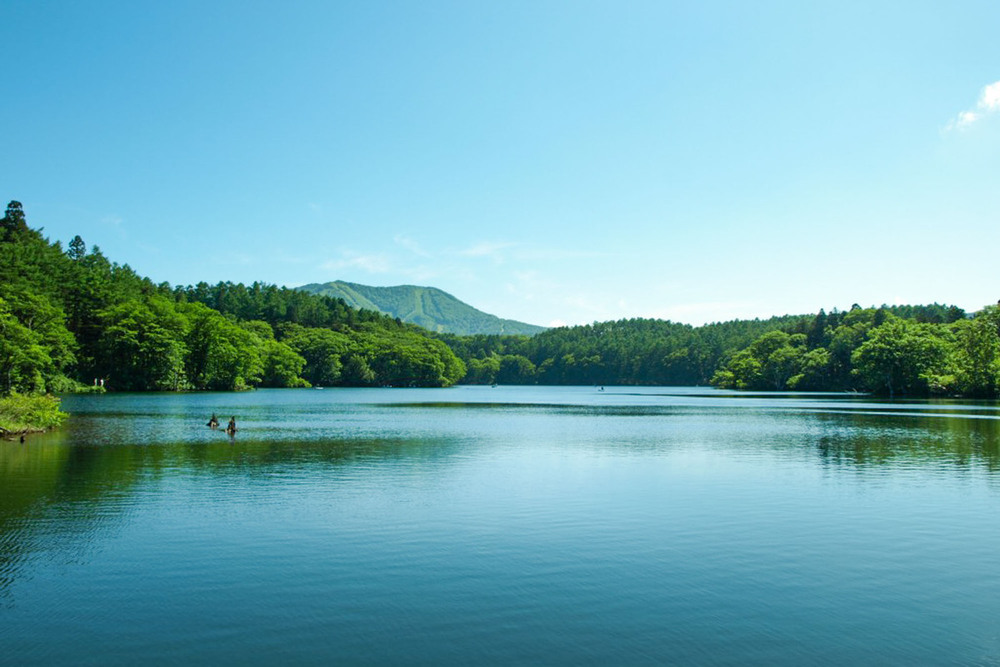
966 118
370 263
990 98
988 103
411 245
486 249
531 254
503 251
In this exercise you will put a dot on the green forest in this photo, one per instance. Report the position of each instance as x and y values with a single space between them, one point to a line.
890 351
72 320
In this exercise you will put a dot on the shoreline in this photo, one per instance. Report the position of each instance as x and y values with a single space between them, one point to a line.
13 435
22 415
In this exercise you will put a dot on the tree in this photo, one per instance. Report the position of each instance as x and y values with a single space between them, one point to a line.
813 371
141 349
744 371
282 366
23 358
77 249
13 222
782 364
901 357
221 354
357 373
977 348
515 369
817 336
322 351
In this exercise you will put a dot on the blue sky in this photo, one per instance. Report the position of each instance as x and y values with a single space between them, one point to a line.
552 162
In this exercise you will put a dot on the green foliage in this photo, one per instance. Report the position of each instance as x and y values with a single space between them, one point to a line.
903 357
936 351
636 351
77 249
403 358
35 346
357 373
320 349
976 355
70 319
20 413
142 346
67 318
282 366
483 371
23 359
515 369
221 354
812 371
13 223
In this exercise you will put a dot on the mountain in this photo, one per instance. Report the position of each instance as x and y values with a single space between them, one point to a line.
428 307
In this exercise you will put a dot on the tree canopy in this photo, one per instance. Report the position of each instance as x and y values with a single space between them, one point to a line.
73 318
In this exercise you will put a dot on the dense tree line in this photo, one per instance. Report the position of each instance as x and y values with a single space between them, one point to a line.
71 318
634 351
937 350
916 350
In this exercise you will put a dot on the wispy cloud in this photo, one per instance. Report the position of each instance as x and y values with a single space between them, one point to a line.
988 104
376 263
486 249
117 224
531 253
411 245
502 251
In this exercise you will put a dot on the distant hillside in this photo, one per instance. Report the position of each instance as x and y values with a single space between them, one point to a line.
428 307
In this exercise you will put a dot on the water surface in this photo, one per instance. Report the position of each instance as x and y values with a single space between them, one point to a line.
507 525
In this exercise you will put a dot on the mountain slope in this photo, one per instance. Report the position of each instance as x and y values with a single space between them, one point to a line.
428 307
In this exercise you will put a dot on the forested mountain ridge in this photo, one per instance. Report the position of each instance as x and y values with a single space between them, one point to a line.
428 307
71 319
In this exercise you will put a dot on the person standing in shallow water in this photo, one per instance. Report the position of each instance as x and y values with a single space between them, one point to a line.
231 427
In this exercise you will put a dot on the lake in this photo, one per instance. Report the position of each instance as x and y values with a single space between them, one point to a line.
479 525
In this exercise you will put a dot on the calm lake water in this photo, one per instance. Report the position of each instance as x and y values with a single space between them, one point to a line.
511 525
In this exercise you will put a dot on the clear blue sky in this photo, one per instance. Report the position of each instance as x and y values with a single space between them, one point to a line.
552 162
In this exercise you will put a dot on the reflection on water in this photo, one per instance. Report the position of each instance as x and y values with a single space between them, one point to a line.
503 525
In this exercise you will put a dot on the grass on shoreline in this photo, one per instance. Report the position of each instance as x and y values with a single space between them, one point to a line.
20 413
